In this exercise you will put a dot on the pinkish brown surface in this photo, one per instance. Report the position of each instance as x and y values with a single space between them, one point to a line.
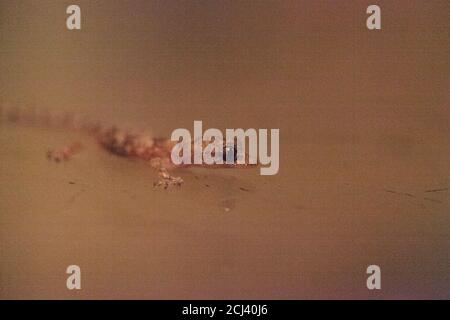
363 179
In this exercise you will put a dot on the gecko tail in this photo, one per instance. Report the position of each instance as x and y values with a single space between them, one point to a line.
31 116
27 116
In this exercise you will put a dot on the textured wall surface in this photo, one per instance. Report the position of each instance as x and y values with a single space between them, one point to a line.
364 150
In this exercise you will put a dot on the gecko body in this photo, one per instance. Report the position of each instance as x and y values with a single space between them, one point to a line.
125 143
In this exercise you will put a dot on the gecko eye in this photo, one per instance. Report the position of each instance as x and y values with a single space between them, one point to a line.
230 152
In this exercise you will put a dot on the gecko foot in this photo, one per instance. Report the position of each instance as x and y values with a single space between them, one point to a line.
63 154
165 179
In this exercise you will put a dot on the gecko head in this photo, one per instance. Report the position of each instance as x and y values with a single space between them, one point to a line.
230 152
219 156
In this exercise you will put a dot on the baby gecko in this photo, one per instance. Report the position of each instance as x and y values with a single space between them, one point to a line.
155 151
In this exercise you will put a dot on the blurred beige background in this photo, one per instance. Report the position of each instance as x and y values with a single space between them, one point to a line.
363 117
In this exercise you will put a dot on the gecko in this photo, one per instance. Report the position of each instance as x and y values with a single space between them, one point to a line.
125 143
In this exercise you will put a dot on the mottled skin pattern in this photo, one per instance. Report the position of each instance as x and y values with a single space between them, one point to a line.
156 151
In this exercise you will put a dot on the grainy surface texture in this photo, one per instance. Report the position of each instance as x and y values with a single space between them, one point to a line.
364 150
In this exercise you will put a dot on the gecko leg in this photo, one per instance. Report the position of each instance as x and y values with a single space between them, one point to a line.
64 153
165 179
